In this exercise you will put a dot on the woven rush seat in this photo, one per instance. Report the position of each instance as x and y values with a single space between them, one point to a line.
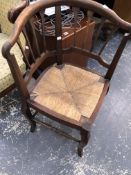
70 91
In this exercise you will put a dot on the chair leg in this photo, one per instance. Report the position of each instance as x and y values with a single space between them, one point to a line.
83 142
32 122
27 113
107 90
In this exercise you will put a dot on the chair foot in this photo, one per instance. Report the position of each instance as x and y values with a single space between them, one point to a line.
85 135
27 113
80 150
107 90
33 126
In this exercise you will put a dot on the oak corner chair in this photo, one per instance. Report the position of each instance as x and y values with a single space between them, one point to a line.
65 93
8 14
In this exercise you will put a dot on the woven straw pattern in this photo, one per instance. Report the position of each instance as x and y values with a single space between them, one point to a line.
69 91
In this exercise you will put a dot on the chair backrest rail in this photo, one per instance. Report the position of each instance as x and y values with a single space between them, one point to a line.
28 12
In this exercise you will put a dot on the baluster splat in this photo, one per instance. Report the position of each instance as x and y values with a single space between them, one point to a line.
58 32
42 15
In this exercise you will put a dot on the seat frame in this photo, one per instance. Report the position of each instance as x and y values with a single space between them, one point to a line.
22 23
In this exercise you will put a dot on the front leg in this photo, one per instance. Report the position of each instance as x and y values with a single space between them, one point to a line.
85 135
27 113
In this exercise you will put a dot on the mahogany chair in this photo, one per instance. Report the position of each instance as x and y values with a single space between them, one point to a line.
65 93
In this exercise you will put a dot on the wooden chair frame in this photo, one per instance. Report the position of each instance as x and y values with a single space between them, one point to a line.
22 23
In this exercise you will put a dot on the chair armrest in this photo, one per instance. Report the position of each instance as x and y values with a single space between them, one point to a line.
14 12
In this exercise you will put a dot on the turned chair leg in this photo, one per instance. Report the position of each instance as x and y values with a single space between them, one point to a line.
83 142
27 113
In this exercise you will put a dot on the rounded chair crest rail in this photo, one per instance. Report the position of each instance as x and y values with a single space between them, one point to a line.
86 4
